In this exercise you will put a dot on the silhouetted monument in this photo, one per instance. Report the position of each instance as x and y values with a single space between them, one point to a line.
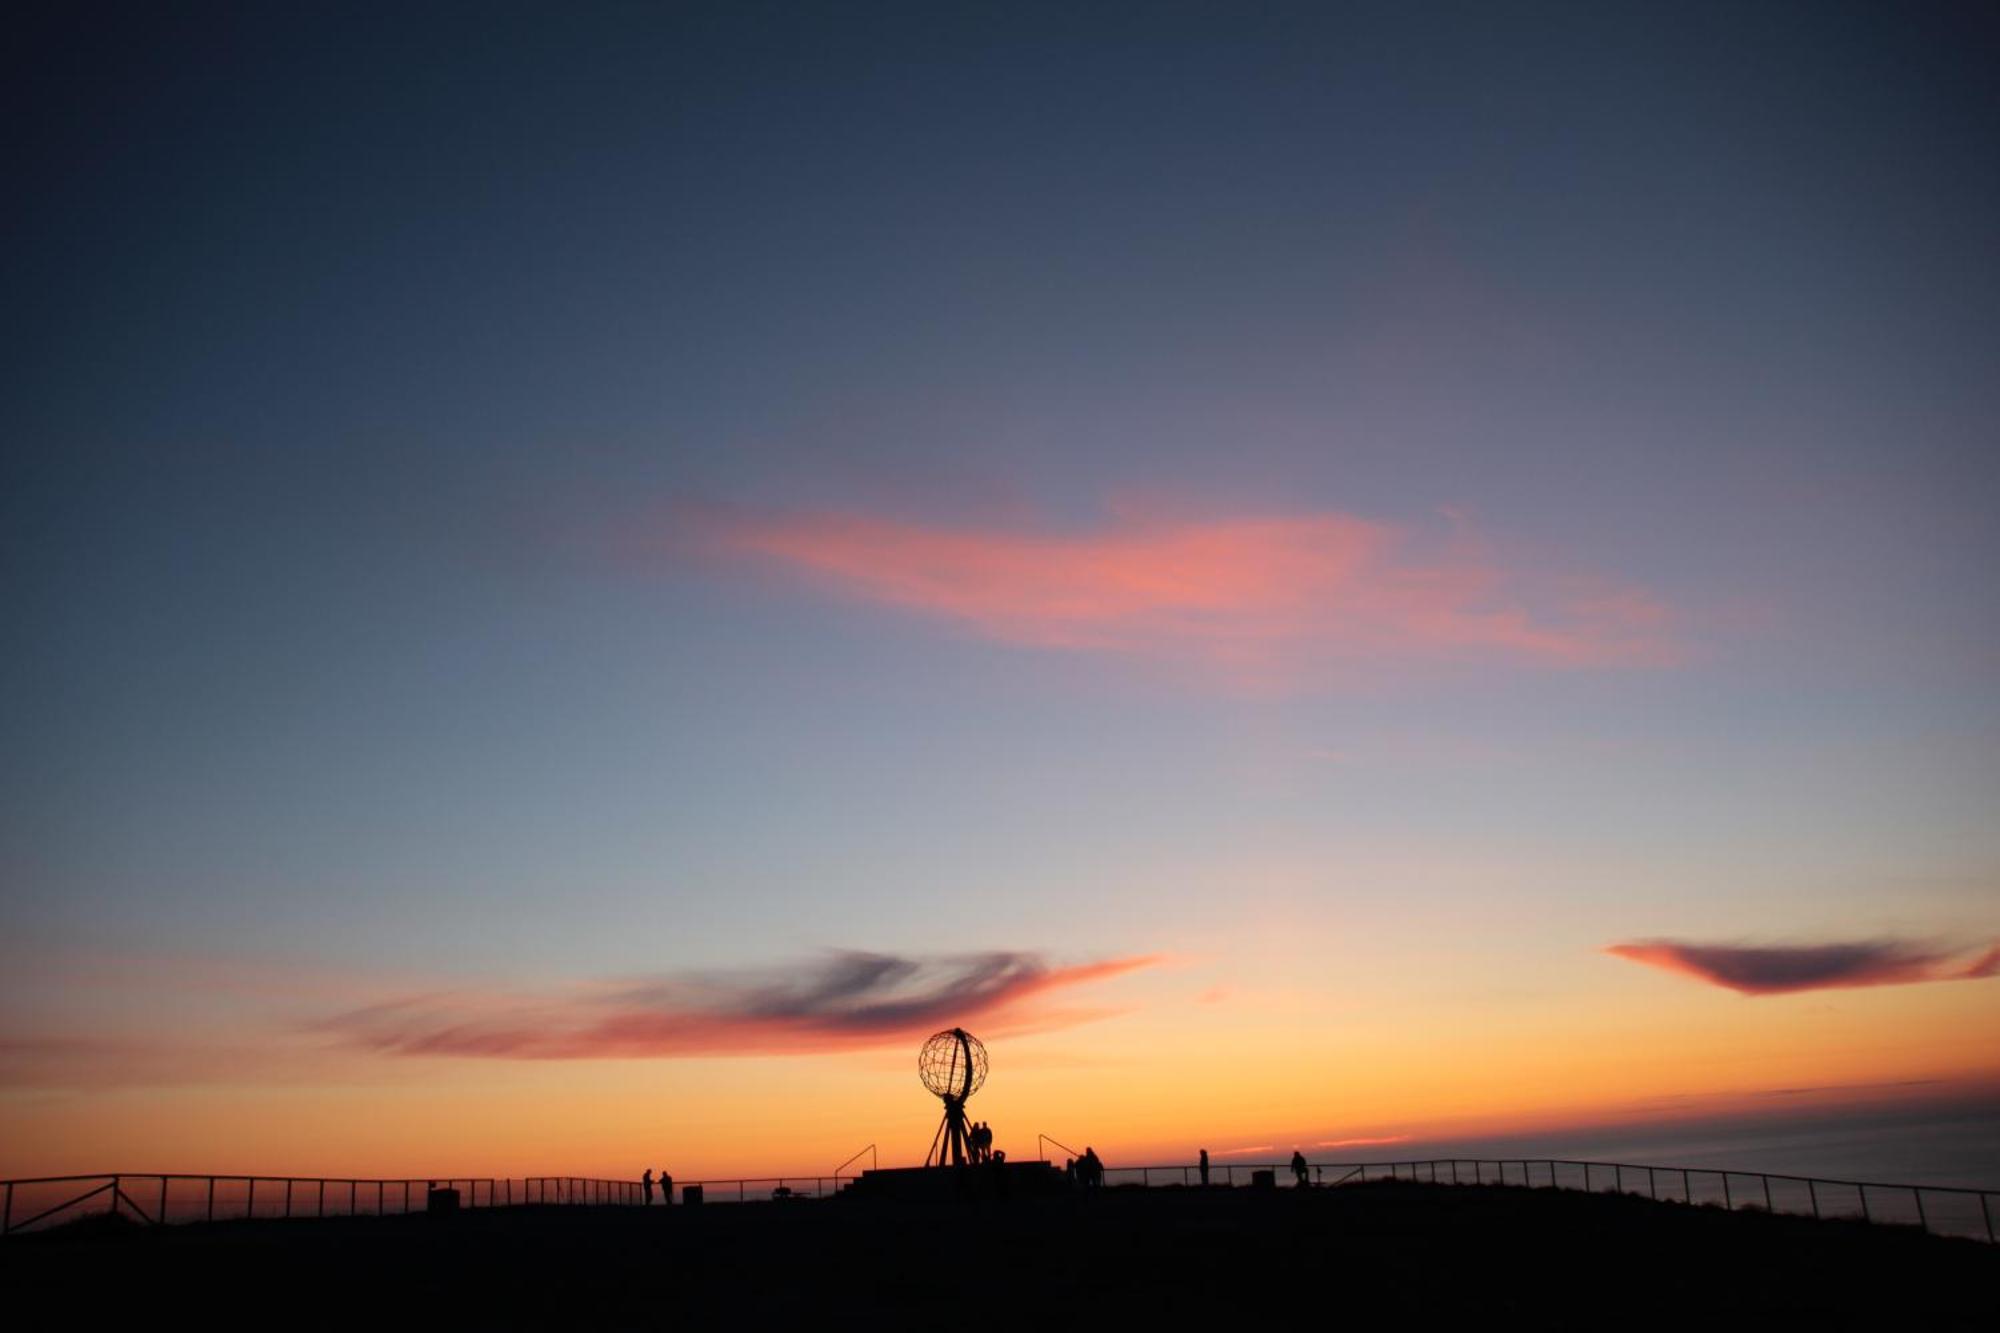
961 1163
952 1065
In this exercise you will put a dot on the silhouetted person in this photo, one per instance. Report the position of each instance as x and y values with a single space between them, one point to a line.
1091 1169
1299 1168
646 1183
1204 1168
666 1187
1069 1169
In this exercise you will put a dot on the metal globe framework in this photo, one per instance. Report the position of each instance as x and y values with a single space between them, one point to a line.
952 1064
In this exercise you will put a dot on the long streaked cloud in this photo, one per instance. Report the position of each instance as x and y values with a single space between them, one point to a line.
1362 1143
1260 598
842 1001
1781 969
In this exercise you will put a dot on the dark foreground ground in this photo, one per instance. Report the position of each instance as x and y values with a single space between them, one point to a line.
1360 1255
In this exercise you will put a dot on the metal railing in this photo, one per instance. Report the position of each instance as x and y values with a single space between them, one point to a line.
1944 1209
873 1161
159 1199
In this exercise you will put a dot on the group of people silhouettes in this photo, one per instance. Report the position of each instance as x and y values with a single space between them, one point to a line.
1087 1170
979 1143
1301 1169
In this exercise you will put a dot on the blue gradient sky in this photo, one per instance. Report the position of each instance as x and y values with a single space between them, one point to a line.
367 370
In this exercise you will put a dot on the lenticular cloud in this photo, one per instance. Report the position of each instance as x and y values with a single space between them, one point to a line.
1255 599
841 1001
1780 969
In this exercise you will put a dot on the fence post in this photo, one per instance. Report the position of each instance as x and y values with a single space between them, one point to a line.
1862 1190
163 1201
1618 1177
1922 1220
1767 1196
1813 1192
211 1197
1987 1213
1586 1177
288 1197
250 1204
1687 1190
353 1188
7 1211
1727 1206
1454 1170
1652 1185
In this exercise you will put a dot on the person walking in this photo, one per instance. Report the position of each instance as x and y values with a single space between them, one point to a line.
1204 1168
1299 1170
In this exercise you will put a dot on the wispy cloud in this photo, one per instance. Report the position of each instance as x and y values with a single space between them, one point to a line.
1261 599
841 1001
1780 969
1362 1143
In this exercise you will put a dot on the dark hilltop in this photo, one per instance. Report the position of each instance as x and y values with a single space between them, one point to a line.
1376 1253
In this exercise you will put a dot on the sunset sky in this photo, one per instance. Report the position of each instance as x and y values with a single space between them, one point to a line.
576 583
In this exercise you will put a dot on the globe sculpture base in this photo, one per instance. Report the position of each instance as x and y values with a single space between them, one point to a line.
948 1145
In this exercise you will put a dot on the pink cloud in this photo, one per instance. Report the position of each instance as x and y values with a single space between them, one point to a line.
844 1001
1781 969
1261 598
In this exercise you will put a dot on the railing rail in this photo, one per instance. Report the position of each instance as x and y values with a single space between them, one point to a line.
1042 1140
158 1199
187 1196
873 1161
1870 1196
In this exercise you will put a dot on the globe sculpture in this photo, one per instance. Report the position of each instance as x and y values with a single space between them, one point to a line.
952 1065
